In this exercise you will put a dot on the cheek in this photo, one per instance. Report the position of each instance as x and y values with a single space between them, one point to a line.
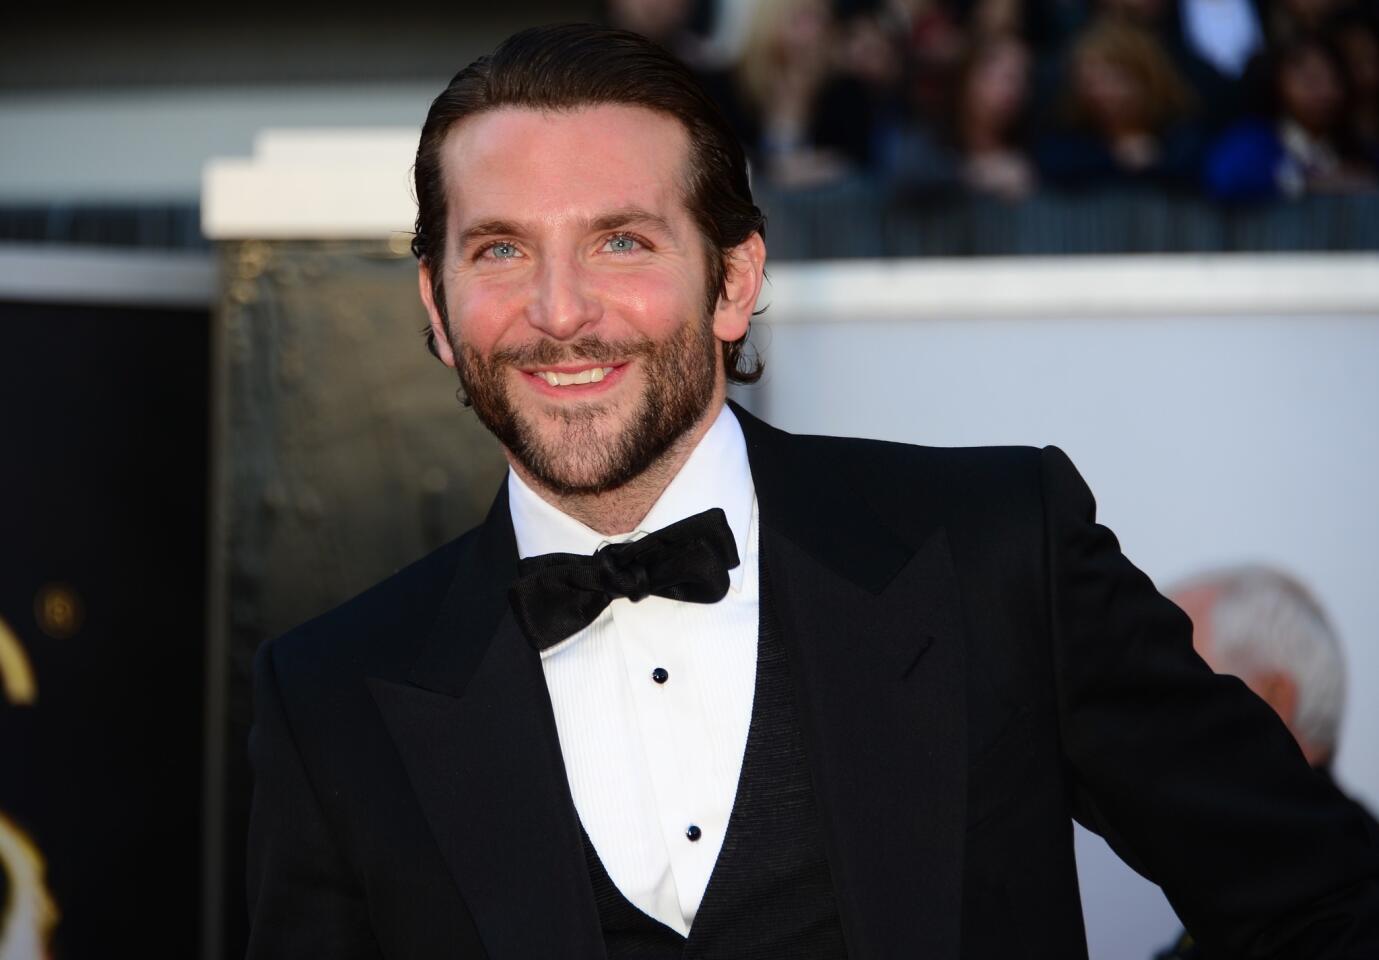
649 301
484 314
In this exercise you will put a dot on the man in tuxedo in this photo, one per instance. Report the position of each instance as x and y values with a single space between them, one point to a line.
697 687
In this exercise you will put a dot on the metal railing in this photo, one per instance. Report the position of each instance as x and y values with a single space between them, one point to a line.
864 219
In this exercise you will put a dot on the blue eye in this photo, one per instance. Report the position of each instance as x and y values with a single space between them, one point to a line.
502 250
622 243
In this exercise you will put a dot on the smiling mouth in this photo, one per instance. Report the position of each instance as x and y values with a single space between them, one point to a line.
558 378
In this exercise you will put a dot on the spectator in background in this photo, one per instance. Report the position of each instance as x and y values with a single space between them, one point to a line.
1127 114
991 19
870 56
1263 626
1208 41
1357 39
667 22
993 94
803 122
1303 143
1288 20
934 44
981 143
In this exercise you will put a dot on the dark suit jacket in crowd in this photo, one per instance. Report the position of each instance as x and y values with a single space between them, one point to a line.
976 664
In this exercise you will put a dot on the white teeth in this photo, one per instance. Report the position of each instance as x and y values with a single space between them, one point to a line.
592 375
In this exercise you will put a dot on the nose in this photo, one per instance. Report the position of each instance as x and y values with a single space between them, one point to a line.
564 305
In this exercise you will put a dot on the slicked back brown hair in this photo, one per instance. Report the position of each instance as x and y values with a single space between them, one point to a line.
569 66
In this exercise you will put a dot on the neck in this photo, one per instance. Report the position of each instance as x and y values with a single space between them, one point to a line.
1317 755
981 137
620 510
1124 129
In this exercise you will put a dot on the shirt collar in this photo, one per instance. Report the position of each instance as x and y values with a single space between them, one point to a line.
716 474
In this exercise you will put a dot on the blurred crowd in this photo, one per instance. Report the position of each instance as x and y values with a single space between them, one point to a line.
1237 100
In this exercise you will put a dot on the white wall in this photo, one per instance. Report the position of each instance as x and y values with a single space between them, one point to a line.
1234 432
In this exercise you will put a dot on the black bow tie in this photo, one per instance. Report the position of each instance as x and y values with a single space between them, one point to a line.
558 594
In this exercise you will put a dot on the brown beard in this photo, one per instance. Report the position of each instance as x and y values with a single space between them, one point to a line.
679 374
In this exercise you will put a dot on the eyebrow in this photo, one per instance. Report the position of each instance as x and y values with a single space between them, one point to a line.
612 220
628 216
490 228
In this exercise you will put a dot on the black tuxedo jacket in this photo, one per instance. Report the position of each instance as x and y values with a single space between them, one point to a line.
975 664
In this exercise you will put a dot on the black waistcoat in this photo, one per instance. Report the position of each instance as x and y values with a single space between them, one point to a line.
770 894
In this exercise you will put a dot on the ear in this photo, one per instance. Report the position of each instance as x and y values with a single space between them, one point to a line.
745 271
438 330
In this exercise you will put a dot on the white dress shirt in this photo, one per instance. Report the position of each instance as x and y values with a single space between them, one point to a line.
649 760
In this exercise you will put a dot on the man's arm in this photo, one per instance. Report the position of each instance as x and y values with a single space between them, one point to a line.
1192 779
303 900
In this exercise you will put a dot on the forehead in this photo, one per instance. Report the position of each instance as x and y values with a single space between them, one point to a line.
548 166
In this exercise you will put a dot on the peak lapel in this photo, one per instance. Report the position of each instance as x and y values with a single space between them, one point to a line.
872 630
474 727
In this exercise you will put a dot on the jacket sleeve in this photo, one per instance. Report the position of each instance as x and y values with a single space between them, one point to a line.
1191 778
303 899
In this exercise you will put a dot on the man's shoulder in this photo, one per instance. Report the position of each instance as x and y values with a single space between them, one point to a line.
379 631
978 495
944 460
944 466
950 475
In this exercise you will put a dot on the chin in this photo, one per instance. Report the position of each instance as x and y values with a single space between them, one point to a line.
576 451
597 451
